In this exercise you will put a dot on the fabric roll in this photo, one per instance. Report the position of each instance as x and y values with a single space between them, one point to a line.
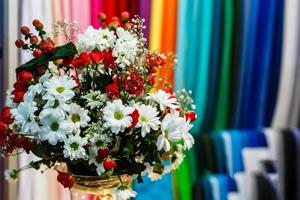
57 16
200 84
96 7
214 63
218 145
109 8
133 6
262 64
250 9
221 118
80 12
156 25
144 12
296 137
265 187
288 65
66 9
122 5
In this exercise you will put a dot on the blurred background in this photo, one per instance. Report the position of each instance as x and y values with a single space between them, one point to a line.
241 58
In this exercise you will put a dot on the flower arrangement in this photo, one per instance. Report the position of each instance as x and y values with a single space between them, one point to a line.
93 104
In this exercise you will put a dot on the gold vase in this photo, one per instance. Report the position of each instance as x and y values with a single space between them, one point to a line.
96 188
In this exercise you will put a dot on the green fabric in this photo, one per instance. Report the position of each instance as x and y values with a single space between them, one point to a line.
222 110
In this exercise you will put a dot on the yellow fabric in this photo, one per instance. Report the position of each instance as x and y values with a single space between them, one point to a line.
156 25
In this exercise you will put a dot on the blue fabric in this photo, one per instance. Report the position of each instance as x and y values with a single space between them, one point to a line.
161 189
219 151
246 68
207 188
262 65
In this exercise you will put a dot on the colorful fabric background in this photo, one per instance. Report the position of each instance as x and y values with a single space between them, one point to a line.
240 58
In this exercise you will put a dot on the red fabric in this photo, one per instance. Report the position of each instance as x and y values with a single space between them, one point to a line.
122 6
109 8
96 7
133 7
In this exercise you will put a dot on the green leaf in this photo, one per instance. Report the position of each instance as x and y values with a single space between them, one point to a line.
39 150
68 49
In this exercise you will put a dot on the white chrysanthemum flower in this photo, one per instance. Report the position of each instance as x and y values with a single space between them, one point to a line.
106 40
9 99
91 39
11 175
78 117
147 119
33 90
188 139
117 116
123 194
100 168
60 88
178 159
73 147
164 100
170 128
125 49
55 129
95 99
24 116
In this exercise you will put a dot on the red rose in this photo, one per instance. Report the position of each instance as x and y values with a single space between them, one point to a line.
19 96
65 179
103 153
24 76
112 90
107 59
109 164
81 61
21 86
24 30
25 143
135 118
133 83
47 46
5 116
3 128
95 57
19 43
37 53
190 115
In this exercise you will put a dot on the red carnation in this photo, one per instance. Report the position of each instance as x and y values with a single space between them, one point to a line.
151 79
25 143
20 86
103 152
19 43
133 83
25 30
5 115
37 53
12 143
112 90
65 179
109 164
18 96
3 128
155 60
47 46
24 75
190 115
135 118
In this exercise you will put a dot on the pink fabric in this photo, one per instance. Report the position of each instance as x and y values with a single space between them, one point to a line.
80 12
66 9
96 7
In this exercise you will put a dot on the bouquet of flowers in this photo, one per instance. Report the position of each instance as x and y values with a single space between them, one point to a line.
97 104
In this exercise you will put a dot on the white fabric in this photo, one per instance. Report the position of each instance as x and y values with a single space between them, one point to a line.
215 187
233 196
228 152
34 185
288 65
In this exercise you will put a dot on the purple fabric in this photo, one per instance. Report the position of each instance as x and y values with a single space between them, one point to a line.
144 12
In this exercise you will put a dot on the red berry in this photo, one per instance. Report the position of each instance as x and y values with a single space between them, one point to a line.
24 30
37 53
19 96
19 43
24 76
48 46
5 115
190 115
102 16
103 152
109 164
34 39
125 15
36 22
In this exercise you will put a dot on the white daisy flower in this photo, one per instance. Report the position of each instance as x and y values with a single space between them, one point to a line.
125 49
170 128
106 40
73 147
95 99
24 116
100 168
188 139
54 107
60 88
11 175
55 129
147 119
117 116
164 100
78 117
123 194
